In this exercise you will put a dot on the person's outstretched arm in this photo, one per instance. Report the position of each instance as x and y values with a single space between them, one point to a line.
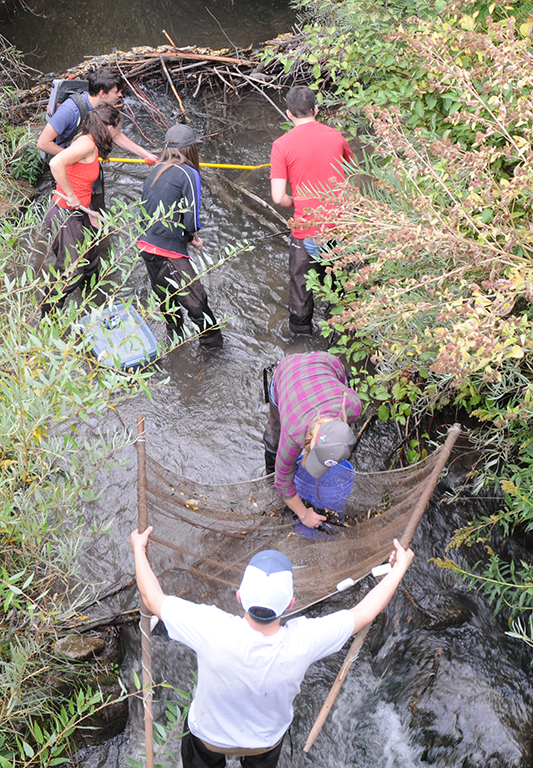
376 600
124 142
149 587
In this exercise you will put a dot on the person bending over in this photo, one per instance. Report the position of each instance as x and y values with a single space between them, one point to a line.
250 668
311 407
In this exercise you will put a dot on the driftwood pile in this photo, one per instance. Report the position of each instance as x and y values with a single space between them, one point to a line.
185 70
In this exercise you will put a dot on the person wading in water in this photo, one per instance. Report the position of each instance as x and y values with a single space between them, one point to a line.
75 169
250 668
175 184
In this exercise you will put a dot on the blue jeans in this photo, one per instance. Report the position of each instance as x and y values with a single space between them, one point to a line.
312 248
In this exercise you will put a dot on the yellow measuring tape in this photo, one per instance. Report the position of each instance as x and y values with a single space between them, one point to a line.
227 165
202 165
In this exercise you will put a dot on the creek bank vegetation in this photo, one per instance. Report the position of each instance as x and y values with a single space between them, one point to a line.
53 395
430 283
431 280
20 163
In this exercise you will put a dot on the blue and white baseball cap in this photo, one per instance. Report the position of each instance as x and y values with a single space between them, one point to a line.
267 585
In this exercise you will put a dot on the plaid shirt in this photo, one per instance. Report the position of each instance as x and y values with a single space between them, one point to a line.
307 387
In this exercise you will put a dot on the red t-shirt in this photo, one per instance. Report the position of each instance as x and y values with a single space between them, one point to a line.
310 157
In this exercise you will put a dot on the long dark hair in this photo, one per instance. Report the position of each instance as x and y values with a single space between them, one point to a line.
173 156
95 125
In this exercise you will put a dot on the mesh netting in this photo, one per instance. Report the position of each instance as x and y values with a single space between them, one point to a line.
204 535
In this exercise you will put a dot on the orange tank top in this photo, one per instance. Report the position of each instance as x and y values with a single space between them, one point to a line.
82 177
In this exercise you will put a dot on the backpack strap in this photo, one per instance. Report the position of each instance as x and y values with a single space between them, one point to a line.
79 101
83 109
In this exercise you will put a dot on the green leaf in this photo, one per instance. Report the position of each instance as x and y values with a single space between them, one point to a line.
28 749
37 733
383 412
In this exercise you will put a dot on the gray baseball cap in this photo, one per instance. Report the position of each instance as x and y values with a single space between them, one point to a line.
180 136
333 444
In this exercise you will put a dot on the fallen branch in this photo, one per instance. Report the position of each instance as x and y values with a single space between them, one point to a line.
177 54
261 91
174 91
170 40
217 73
257 199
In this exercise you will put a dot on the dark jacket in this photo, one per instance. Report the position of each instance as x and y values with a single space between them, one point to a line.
179 184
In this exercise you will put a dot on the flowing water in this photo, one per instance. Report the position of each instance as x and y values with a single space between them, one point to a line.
438 682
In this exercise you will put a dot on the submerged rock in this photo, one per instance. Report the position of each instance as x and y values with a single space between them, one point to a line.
79 647
103 651
464 718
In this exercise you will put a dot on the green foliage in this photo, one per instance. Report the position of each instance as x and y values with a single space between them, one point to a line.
19 160
523 631
50 384
430 284
361 53
19 157
26 162
432 295
175 713
506 584
47 385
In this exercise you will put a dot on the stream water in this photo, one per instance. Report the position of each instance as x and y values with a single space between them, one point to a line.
438 682
60 34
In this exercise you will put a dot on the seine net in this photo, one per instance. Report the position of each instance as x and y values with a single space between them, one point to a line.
204 535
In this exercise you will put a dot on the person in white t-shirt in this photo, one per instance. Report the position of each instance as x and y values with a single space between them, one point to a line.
250 668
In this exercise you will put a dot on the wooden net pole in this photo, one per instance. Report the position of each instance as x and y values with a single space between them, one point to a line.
145 616
405 540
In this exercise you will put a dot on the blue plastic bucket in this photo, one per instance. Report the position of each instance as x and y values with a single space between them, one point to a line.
331 491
